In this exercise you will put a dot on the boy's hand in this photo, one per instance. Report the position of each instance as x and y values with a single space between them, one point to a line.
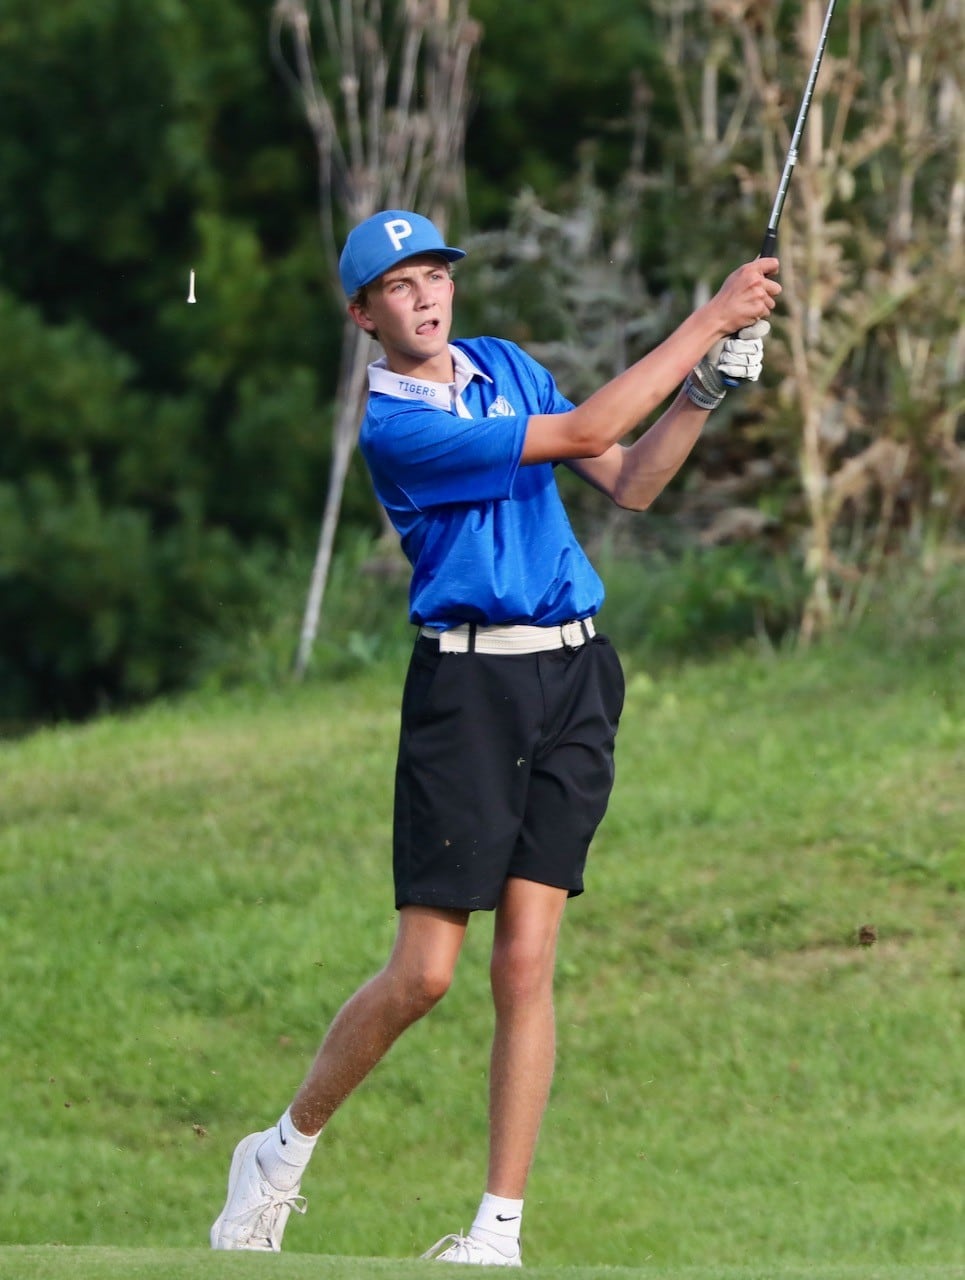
747 295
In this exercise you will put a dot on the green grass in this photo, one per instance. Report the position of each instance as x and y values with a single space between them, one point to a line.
742 1091
46 1262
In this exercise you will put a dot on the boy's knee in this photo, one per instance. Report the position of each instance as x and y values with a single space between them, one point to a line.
433 985
521 973
421 990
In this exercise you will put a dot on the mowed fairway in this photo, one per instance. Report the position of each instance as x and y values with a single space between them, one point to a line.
93 1263
743 1090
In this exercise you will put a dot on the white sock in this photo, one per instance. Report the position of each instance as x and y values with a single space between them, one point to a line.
497 1222
285 1153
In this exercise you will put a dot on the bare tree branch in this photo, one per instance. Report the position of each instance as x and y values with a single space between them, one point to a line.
386 107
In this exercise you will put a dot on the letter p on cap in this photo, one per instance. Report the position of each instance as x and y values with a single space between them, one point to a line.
397 231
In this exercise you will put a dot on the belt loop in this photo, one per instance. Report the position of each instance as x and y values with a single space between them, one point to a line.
586 631
472 638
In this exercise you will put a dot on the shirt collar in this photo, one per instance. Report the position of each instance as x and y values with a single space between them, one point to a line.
442 394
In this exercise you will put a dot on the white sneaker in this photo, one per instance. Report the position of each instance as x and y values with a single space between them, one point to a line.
255 1212
468 1249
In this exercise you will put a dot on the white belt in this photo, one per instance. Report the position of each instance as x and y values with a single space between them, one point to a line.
470 638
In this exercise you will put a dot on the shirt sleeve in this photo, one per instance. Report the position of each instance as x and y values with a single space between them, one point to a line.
548 396
422 457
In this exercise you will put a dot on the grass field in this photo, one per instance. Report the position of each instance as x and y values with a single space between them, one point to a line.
64 1263
743 1090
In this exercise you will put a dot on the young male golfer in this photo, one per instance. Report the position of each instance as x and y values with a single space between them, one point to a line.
512 699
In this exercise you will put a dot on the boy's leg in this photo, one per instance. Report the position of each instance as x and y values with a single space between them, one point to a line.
524 1043
416 976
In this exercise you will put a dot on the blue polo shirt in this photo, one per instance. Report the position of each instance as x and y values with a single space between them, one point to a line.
489 540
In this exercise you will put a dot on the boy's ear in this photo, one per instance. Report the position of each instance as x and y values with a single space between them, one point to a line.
361 317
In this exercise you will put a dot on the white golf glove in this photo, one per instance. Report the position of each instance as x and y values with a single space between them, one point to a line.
739 358
743 357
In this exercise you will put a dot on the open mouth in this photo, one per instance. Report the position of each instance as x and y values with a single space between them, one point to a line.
427 328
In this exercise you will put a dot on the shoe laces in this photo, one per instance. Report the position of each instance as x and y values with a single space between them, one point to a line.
458 1248
279 1205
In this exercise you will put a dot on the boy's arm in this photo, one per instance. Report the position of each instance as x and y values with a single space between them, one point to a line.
592 428
635 474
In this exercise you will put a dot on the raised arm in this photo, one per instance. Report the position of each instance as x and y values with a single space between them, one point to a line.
592 428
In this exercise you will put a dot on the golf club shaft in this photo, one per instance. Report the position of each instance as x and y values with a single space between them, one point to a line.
769 245
770 237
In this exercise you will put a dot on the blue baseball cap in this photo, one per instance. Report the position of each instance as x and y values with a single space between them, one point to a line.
385 240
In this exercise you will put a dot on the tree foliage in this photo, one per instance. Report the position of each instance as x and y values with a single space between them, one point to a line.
870 337
154 457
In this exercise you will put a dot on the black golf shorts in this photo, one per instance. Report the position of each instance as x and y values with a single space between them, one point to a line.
505 768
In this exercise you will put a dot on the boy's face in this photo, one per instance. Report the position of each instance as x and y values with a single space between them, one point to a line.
410 310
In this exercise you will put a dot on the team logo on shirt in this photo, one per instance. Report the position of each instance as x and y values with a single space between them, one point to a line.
416 389
500 408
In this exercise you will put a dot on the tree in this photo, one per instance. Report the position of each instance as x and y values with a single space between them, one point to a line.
387 112
869 338
157 461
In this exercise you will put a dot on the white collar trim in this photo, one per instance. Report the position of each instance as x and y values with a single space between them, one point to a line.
444 395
